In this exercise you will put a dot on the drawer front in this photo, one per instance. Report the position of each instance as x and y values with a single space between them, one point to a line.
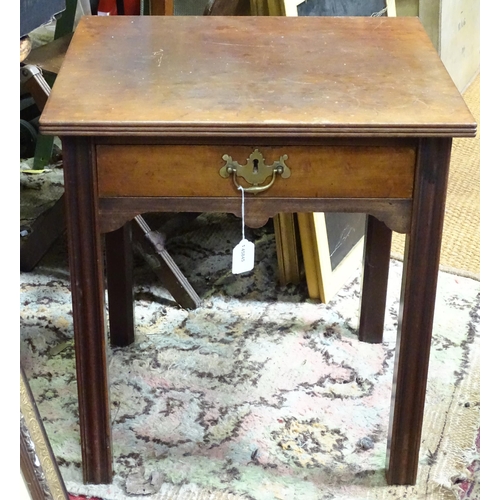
316 171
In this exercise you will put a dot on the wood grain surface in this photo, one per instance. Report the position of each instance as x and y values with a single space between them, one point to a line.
154 170
287 76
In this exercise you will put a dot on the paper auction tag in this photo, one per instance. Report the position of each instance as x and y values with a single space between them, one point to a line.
243 256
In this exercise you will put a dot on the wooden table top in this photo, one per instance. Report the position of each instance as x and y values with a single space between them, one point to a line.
254 76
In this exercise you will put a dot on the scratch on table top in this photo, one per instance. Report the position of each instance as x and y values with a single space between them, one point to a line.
420 100
159 55
231 44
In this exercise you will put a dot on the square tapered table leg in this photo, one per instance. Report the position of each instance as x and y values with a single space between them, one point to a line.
87 290
418 294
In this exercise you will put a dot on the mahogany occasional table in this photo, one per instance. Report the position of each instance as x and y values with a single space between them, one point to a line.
316 114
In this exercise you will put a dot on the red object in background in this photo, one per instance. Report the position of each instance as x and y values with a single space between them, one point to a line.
131 7
109 8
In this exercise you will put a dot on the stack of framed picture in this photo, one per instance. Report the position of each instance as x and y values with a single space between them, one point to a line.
332 250
326 248
330 245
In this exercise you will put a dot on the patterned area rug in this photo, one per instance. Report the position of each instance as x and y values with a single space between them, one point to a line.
261 393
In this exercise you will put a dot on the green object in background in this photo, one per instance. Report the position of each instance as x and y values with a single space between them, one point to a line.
65 23
45 143
43 151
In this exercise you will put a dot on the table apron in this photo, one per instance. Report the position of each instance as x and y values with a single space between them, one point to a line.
114 212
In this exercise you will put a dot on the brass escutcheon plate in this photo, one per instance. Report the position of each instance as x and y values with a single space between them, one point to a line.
255 172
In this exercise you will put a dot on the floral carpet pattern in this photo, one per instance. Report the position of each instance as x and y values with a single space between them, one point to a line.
260 393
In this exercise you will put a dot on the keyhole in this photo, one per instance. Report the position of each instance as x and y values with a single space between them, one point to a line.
255 166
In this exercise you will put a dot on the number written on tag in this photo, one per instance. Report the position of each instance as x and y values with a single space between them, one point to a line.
243 257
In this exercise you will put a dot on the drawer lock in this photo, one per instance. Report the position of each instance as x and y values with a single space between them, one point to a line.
255 172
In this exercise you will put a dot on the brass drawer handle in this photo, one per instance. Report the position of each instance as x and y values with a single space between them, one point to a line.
255 171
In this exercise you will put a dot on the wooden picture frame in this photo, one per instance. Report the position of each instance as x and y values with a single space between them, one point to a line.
38 465
288 252
267 8
324 278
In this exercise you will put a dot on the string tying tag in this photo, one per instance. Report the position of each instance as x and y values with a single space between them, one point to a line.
242 212
244 251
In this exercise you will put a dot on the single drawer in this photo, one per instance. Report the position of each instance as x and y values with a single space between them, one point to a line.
316 171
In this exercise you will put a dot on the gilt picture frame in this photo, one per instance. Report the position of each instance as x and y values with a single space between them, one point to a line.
326 272
39 468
